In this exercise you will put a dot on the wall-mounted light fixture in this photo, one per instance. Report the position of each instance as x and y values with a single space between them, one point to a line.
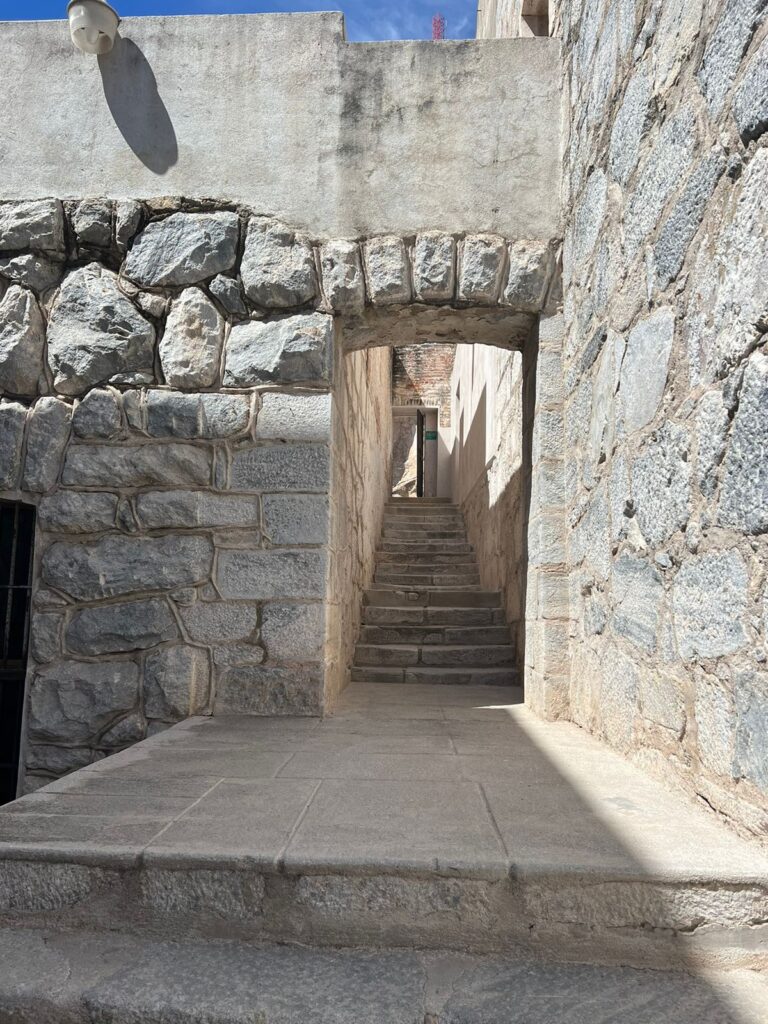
92 25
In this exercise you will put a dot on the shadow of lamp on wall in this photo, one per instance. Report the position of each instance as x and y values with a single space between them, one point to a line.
130 86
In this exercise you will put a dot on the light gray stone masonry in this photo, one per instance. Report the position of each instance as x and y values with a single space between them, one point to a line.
664 361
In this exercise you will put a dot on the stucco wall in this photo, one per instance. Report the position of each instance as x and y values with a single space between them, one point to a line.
361 461
280 113
488 470
666 373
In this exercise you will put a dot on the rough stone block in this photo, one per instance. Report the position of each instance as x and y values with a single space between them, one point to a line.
686 217
589 539
32 271
744 489
77 512
660 175
750 104
725 48
233 654
47 436
588 216
123 565
37 225
482 260
546 538
278 267
42 757
183 249
281 468
750 694
528 277
291 417
159 510
712 422
262 690
176 683
127 626
220 622
75 701
190 348
92 223
293 632
207 415
13 415
140 466
125 732
709 597
295 518
644 368
434 267
638 592
128 214
630 126
97 415
265 575
713 710
387 271
96 335
293 350
22 337
661 487
343 279
229 293
45 636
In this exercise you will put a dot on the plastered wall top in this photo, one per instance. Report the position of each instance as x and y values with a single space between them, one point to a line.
280 113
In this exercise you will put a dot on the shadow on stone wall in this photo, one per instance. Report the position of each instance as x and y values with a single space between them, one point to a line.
130 89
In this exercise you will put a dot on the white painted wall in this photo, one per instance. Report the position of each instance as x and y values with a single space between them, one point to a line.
278 112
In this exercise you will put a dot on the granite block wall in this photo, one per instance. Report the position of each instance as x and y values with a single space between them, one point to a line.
666 375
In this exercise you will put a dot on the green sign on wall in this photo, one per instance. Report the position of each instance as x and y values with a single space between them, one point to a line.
430 435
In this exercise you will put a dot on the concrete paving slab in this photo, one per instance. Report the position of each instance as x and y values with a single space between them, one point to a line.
247 823
354 764
398 826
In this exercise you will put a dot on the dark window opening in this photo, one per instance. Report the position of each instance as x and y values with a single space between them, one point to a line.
17 531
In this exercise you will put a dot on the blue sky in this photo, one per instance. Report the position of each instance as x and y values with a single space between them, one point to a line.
365 19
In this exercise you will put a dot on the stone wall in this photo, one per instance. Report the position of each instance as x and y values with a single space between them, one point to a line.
362 457
279 112
487 469
666 374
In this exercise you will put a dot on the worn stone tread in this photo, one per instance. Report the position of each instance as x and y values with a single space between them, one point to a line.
101 978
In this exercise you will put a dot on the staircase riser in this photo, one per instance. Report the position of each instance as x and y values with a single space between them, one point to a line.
452 657
434 635
422 674
438 579
447 598
466 617
483 915
413 559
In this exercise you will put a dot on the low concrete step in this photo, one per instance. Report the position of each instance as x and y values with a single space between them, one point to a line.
376 615
444 655
446 597
492 675
122 979
446 635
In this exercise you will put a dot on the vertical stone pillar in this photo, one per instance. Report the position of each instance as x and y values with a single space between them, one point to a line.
547 616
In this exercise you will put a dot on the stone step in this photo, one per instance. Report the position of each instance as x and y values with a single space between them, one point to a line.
423 549
413 535
403 633
443 655
443 515
439 579
447 597
439 554
491 675
455 822
123 979
400 502
376 615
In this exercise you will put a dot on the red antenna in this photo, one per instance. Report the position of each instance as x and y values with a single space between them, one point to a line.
438 27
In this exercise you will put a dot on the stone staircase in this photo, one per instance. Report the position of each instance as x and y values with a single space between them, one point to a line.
426 620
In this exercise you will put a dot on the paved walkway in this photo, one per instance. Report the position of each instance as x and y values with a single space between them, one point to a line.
416 778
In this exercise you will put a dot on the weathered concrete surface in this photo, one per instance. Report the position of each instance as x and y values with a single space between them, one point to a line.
158 112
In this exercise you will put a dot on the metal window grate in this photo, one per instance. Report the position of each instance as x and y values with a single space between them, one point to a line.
17 531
